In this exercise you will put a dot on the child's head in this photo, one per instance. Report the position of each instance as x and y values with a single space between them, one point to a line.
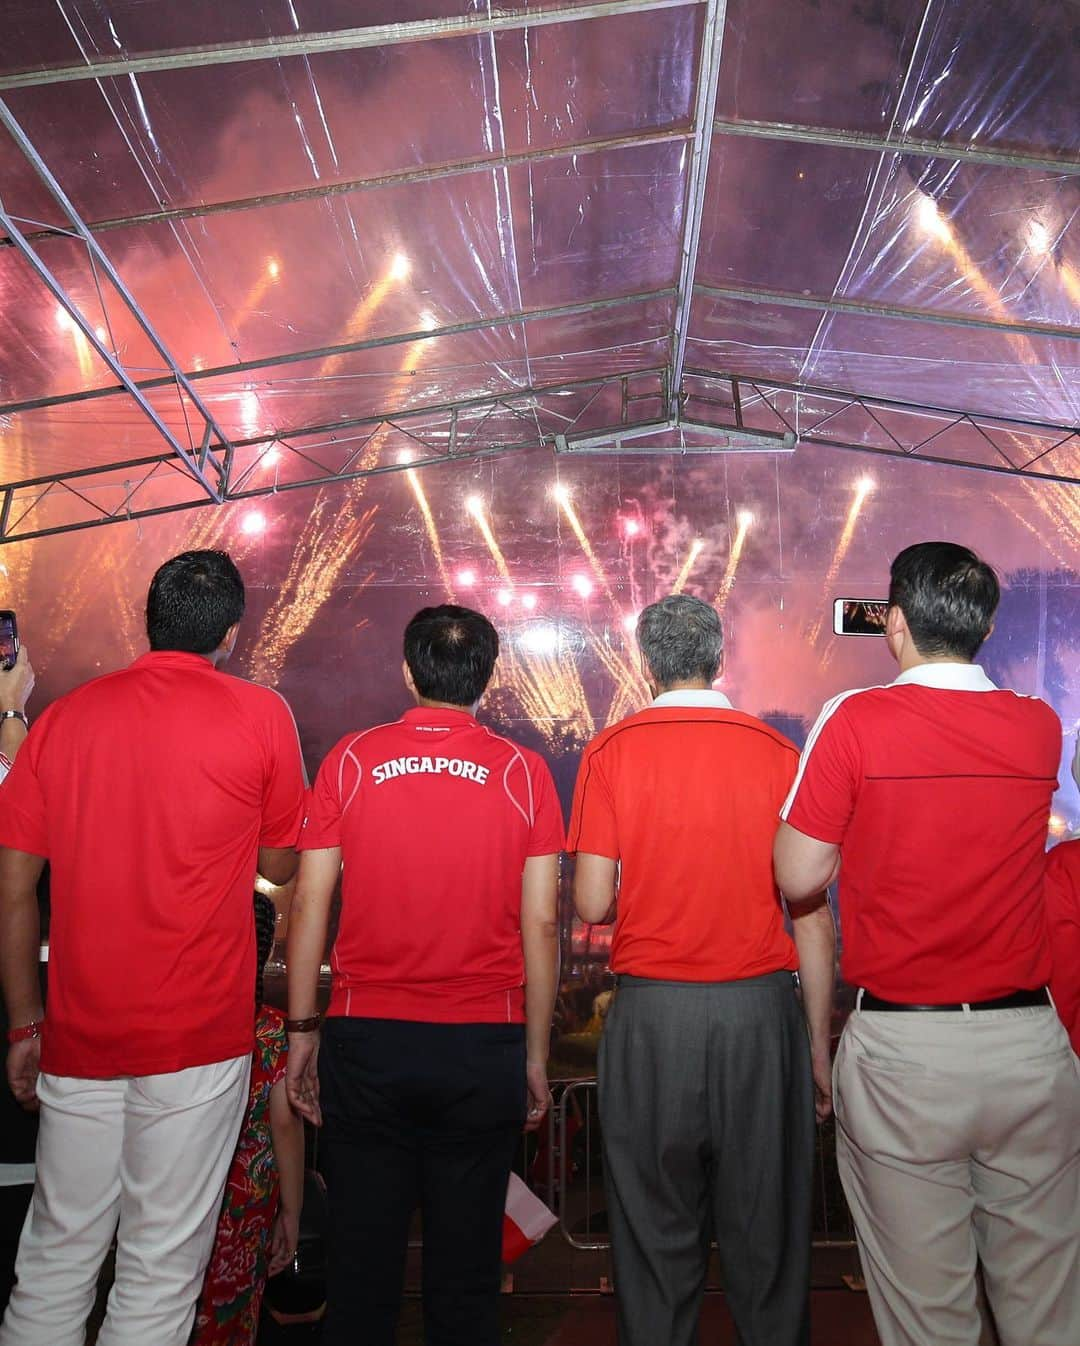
265 924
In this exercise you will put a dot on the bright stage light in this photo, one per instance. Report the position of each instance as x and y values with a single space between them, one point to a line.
560 494
404 456
400 267
582 586
273 268
428 321
253 524
632 527
865 485
745 518
475 506
63 319
630 621
101 334
504 598
528 601
271 457
466 579
930 220
1038 238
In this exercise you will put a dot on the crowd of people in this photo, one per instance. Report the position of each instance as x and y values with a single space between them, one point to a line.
170 1097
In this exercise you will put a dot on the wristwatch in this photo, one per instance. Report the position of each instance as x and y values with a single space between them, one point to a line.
308 1025
14 715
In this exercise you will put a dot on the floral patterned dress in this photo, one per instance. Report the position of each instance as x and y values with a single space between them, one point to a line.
228 1312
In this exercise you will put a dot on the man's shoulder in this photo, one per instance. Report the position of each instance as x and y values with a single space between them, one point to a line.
500 743
657 718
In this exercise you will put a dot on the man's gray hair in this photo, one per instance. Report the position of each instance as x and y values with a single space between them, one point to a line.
681 638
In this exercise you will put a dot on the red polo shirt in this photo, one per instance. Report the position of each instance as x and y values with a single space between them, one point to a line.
685 796
435 817
150 791
937 790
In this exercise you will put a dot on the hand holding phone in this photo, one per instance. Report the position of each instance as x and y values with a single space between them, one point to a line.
16 682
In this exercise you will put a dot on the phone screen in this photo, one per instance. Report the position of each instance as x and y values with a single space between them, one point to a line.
9 639
860 616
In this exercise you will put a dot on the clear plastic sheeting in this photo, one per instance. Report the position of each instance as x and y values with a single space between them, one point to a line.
325 214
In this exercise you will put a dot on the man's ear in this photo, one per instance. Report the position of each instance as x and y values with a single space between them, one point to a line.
720 667
228 642
646 673
406 673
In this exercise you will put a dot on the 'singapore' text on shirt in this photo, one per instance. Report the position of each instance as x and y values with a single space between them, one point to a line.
413 766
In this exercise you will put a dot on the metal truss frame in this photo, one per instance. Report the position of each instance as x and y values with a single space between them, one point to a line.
774 409
433 433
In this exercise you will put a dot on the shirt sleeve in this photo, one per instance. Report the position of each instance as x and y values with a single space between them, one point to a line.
22 804
822 798
322 823
592 819
283 792
1063 919
548 835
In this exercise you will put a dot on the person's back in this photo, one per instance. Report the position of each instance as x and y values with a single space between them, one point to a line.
444 978
949 791
705 1091
438 811
153 792
958 1098
154 781
679 775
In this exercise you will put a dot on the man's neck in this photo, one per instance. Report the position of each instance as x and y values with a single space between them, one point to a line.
916 660
693 685
425 704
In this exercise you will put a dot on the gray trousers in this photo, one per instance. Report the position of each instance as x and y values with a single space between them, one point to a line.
707 1112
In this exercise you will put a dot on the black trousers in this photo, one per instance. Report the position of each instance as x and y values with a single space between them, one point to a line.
428 1115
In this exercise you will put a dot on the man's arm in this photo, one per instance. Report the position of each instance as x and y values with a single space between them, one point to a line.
16 684
540 945
815 939
804 866
20 943
594 888
309 918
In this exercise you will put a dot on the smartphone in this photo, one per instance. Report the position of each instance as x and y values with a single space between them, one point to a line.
859 616
9 639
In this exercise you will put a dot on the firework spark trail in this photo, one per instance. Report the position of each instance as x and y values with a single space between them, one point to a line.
631 690
696 548
333 536
475 507
549 689
863 487
413 478
566 504
745 523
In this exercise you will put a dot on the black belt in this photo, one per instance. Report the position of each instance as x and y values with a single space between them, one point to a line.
1015 1000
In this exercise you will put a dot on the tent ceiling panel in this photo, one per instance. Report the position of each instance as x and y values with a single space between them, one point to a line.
378 210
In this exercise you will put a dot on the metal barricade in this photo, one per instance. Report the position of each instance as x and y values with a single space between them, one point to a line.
581 1206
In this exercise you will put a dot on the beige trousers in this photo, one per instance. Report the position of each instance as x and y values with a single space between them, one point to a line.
958 1139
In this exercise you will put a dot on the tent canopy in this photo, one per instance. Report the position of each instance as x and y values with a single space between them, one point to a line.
257 245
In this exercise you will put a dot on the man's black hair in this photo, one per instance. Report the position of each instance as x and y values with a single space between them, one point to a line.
948 597
451 653
193 600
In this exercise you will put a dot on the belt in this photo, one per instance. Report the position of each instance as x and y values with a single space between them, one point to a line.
1015 1000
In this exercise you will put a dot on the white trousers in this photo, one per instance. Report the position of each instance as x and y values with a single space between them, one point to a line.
145 1158
958 1140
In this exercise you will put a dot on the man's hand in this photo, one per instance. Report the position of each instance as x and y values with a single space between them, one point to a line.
821 1066
23 1060
539 1095
283 1239
16 683
302 1076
